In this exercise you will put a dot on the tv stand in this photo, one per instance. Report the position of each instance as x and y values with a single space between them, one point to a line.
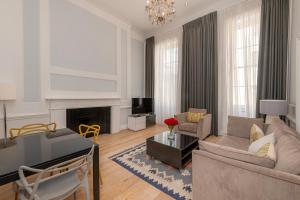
138 122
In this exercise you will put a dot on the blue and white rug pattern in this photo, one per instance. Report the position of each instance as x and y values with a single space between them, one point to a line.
174 182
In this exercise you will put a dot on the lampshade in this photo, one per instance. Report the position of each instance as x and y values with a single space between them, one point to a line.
7 92
274 107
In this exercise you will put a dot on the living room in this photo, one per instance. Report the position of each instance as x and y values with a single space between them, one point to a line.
150 99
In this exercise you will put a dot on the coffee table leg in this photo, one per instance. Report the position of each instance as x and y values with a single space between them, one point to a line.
96 187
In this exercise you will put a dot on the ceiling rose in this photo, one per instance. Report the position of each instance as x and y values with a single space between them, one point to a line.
160 11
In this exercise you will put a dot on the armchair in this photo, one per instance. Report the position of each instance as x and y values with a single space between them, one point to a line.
201 129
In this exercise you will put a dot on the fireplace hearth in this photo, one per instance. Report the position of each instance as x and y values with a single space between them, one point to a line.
89 116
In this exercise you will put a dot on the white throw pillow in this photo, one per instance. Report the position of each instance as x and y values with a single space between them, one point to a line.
256 145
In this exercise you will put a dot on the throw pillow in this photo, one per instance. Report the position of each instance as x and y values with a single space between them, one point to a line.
255 133
256 145
268 151
194 117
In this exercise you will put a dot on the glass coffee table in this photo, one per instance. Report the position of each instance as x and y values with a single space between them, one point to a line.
176 152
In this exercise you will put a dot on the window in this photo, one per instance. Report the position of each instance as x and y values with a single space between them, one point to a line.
239 28
166 78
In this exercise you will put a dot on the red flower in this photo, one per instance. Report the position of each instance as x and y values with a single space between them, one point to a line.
171 122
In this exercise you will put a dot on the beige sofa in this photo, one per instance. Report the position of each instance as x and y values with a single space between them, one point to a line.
227 171
201 129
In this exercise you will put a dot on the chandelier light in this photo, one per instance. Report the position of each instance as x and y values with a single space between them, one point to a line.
160 11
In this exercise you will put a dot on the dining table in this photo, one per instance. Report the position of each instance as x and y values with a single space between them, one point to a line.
43 150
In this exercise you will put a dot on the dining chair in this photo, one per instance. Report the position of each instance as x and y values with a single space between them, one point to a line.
32 128
29 129
84 130
66 179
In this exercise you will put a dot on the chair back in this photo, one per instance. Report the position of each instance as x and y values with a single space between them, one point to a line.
89 129
81 165
32 128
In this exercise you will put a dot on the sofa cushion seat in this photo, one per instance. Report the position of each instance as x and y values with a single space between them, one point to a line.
241 126
188 127
235 142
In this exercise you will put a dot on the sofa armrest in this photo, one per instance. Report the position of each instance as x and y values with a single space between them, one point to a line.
181 117
239 180
241 126
204 127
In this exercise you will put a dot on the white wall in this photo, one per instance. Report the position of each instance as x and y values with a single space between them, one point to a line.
30 53
297 84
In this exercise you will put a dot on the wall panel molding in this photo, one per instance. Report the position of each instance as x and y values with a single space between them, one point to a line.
48 69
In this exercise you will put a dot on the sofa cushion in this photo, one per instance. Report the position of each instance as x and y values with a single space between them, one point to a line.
255 146
241 126
189 127
278 127
234 142
267 150
236 154
256 133
194 117
288 154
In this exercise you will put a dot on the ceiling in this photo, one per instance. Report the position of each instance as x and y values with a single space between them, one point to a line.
133 11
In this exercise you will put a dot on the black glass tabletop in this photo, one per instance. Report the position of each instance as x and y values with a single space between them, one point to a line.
35 149
180 141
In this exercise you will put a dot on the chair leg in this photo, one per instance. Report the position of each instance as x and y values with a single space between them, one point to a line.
74 195
17 196
16 190
85 186
100 178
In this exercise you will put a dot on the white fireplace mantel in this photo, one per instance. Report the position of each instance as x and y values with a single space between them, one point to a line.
57 109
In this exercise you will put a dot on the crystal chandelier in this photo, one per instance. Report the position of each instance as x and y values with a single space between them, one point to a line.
160 11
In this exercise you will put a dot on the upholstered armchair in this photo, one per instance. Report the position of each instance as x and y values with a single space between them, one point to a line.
200 129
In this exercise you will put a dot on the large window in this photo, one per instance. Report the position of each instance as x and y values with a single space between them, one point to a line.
166 78
243 71
239 28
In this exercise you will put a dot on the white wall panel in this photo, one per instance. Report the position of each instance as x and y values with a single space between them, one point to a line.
137 68
32 81
81 40
72 83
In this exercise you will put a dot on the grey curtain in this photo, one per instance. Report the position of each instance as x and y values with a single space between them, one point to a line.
200 66
149 67
272 62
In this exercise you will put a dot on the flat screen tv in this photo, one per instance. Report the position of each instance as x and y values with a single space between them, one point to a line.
142 105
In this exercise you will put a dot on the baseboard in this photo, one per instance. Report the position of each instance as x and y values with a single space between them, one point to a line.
123 126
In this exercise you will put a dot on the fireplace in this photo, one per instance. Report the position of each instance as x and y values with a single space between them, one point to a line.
89 116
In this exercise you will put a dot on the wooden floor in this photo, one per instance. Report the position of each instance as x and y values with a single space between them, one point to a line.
118 183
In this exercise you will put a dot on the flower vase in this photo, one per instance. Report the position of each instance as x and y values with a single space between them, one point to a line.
171 135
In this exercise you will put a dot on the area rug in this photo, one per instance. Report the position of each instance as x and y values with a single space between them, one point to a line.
174 182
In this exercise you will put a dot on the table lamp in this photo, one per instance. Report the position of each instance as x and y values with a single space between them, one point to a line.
273 109
7 93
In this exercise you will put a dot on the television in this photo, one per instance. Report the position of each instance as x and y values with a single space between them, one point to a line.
142 105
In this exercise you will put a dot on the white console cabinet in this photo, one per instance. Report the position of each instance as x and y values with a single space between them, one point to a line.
136 122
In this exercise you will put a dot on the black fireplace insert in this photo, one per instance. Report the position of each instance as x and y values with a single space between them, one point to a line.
89 116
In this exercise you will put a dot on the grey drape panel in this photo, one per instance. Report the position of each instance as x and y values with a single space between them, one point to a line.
272 62
149 67
200 66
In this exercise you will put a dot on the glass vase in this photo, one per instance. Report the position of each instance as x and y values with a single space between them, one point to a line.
171 135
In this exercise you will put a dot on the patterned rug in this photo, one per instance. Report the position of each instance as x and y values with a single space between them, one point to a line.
174 182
